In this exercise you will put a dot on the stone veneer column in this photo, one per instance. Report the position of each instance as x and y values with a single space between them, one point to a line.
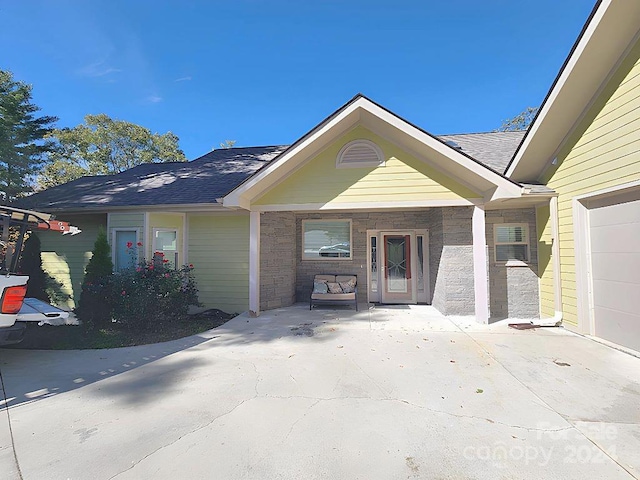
480 266
454 288
277 259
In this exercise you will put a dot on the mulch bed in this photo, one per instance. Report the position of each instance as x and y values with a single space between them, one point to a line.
73 337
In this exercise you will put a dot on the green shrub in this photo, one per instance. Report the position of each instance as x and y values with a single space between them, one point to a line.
31 264
96 298
149 296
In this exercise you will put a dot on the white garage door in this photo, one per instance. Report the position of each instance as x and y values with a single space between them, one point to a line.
615 259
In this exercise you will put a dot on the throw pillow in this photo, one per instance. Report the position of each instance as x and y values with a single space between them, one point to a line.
320 287
348 287
334 287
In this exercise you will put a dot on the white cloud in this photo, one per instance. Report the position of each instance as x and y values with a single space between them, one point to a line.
183 79
97 69
154 99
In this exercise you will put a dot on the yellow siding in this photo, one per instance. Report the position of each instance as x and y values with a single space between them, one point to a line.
604 152
545 261
65 257
403 178
164 220
219 251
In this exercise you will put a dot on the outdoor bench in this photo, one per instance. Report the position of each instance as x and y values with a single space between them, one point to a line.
334 289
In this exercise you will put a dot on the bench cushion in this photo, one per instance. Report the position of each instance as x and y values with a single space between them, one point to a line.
333 296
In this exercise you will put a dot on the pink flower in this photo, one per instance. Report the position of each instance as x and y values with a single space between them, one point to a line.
191 265
123 293
139 244
166 275
165 261
150 267
129 244
138 269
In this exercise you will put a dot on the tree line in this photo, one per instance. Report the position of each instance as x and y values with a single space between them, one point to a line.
35 155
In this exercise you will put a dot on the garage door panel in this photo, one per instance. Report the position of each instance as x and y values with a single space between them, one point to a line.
616 295
615 268
618 327
616 238
621 267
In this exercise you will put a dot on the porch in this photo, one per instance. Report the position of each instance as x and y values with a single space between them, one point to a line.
439 256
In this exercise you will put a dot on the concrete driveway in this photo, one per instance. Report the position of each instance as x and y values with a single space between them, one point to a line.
388 393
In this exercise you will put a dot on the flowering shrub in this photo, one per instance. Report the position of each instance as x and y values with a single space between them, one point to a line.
153 293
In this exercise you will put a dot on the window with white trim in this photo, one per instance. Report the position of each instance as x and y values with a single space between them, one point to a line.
165 243
326 240
125 249
511 242
360 153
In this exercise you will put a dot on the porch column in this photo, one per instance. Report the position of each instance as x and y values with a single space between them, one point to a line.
254 264
480 265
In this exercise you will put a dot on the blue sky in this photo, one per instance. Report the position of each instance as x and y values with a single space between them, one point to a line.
266 72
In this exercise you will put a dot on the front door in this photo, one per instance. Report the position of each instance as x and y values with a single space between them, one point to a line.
397 282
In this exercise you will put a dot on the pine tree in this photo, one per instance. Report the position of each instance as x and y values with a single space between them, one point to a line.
96 298
23 143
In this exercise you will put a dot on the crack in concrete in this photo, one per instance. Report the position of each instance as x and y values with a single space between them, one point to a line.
423 407
299 420
474 417
197 429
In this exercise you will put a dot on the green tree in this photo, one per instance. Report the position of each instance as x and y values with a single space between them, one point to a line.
102 145
227 144
96 297
23 146
520 121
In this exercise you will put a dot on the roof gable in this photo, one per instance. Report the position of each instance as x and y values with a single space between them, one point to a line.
362 111
401 179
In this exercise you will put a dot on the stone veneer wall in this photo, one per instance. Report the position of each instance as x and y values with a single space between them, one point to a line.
453 293
450 253
513 289
277 260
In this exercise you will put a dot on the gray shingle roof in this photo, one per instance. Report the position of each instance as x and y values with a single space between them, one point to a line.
215 174
202 180
494 149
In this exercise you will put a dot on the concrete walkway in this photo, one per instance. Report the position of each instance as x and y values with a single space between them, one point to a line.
387 393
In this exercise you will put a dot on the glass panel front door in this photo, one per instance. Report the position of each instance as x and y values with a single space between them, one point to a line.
398 284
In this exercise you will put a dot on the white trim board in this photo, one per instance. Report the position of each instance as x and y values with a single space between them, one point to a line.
314 207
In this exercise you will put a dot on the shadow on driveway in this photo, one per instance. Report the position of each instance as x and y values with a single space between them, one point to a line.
31 375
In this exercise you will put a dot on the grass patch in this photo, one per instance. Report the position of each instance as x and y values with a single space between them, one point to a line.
74 337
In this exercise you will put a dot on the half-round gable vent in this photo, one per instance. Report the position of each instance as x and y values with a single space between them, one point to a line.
360 153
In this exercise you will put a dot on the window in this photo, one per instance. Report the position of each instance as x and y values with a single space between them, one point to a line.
326 239
511 241
125 249
165 241
360 153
